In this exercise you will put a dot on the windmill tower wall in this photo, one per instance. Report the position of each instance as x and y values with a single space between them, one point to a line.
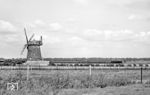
34 53
34 57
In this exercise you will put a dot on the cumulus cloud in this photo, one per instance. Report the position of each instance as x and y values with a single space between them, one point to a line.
140 5
6 26
116 36
143 37
93 34
51 39
133 16
83 2
139 17
76 41
46 30
119 2
109 35
55 26
71 19
8 32
76 36
40 23
37 23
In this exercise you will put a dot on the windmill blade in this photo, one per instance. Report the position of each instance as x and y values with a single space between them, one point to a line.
26 35
23 48
31 37
41 39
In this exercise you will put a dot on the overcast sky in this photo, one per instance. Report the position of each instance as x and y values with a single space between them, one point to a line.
77 28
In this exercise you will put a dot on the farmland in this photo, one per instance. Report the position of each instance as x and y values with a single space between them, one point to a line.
76 79
79 82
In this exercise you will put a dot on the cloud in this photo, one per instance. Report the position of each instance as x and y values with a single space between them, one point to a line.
37 23
131 4
76 41
46 30
71 19
133 16
51 39
40 23
119 2
55 26
7 26
101 35
115 35
82 2
93 34
139 17
143 37
140 5
8 32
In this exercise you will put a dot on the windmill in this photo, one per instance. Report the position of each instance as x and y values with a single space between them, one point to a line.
33 48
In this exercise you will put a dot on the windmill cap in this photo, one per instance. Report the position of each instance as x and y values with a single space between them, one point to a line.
35 42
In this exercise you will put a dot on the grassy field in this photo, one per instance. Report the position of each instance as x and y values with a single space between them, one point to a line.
75 82
123 90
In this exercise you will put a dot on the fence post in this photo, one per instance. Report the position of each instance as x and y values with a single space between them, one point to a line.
28 72
90 77
141 75
90 69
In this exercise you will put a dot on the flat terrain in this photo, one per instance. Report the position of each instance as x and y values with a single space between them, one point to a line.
137 89
76 82
130 74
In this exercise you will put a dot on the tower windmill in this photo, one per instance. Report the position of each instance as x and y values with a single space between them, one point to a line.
33 48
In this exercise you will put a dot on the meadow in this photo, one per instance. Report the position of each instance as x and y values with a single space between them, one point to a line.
73 82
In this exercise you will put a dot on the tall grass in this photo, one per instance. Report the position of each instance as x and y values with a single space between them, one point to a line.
44 85
52 82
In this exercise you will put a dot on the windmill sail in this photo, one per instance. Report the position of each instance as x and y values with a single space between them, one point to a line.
25 46
41 38
26 35
31 37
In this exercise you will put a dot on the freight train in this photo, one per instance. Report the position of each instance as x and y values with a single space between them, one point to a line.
85 63
98 64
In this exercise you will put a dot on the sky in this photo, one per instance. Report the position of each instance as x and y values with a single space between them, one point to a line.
76 28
